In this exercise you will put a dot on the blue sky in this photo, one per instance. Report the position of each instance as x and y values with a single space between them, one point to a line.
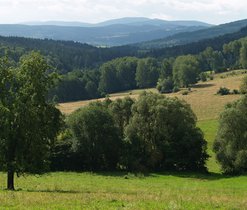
211 11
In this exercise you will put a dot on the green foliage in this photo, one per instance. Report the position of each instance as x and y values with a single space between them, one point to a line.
97 138
203 76
118 75
185 92
185 71
166 68
223 91
158 141
243 86
165 85
147 73
243 55
120 109
231 141
30 124
235 92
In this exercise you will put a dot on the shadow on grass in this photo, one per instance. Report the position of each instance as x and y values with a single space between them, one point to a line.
56 191
206 85
197 175
191 175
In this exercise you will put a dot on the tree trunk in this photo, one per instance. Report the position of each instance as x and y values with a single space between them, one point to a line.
10 180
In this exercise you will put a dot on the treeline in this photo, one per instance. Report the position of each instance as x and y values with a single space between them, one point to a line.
140 136
167 74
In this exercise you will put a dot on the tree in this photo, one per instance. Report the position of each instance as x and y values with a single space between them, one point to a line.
108 79
162 135
243 85
230 144
165 85
185 71
243 55
120 109
166 68
147 73
97 138
29 124
126 71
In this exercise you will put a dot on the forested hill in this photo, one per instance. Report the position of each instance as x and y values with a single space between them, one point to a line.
64 55
188 37
67 56
216 43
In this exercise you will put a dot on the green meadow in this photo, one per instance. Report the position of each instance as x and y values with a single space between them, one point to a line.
67 190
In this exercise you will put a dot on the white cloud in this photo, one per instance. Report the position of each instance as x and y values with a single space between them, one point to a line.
213 11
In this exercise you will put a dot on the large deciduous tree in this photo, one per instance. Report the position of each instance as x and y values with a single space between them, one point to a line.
162 135
28 123
97 139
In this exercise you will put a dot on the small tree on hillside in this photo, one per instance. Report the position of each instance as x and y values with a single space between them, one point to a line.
28 123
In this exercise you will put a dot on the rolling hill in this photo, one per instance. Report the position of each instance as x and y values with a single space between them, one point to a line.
189 37
109 33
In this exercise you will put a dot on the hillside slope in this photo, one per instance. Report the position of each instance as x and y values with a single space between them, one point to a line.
188 37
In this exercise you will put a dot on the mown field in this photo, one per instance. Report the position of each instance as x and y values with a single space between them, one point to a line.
65 190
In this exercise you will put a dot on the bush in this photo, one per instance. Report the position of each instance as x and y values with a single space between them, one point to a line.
165 85
243 86
203 76
223 91
211 77
185 93
175 89
230 145
235 92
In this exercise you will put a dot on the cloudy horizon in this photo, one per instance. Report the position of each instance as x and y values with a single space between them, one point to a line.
210 11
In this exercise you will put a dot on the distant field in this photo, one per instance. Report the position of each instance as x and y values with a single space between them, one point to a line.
106 191
203 99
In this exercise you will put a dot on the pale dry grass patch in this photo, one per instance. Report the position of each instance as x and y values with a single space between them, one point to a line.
202 98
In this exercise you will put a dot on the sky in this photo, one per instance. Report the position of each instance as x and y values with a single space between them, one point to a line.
94 11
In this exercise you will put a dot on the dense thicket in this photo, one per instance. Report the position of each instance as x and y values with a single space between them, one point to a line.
159 141
143 135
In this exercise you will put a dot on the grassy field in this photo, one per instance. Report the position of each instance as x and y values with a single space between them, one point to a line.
150 191
120 191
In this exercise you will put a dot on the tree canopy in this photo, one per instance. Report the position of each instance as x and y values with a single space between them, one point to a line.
162 135
29 124
230 144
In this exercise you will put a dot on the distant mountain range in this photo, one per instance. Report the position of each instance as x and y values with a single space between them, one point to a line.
109 33
188 37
